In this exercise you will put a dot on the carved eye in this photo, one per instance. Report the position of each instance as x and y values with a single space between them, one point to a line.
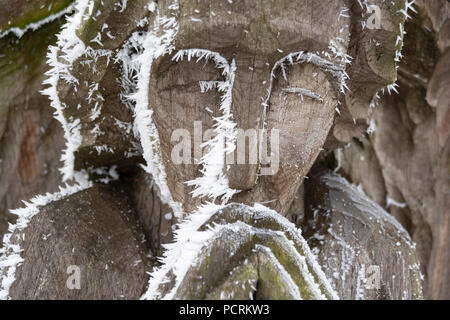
304 73
302 92
301 106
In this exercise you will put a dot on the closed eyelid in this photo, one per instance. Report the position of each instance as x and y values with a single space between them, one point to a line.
303 92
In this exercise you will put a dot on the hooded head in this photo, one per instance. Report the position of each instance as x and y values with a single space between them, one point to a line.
234 99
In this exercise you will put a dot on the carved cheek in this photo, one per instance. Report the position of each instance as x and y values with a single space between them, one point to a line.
179 104
302 108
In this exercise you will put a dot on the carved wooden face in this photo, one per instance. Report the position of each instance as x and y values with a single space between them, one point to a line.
270 71
285 82
275 67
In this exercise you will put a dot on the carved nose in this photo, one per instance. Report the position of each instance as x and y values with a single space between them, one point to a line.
249 91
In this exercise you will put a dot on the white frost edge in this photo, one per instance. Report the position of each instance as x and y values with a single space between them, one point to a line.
180 255
297 234
301 261
71 48
156 43
214 182
19 32
10 257
293 289
127 57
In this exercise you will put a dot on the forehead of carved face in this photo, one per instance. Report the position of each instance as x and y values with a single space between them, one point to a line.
268 65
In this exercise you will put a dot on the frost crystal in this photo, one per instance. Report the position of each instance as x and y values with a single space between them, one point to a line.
60 58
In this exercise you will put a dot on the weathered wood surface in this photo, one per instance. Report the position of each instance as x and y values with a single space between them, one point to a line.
31 140
95 230
362 249
407 158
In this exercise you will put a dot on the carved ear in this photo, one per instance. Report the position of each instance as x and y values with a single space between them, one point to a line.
377 33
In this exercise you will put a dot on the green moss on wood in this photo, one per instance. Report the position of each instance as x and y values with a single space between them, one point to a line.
27 53
35 13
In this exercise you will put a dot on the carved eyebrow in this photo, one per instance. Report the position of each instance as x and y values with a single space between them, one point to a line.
325 65
303 92
203 54
228 70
